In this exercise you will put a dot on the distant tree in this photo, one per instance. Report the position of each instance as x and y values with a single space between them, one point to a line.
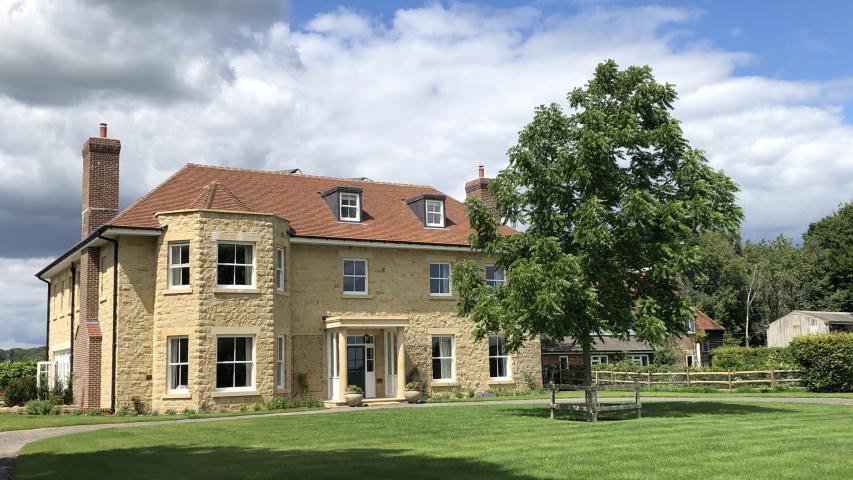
777 273
721 281
829 244
33 354
612 197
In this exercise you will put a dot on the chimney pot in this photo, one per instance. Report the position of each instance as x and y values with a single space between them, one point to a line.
103 130
482 171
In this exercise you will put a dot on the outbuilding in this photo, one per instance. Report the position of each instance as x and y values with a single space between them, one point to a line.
803 322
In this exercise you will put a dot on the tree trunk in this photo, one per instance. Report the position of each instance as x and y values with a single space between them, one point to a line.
587 366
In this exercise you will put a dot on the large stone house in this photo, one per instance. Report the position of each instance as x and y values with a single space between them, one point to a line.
224 286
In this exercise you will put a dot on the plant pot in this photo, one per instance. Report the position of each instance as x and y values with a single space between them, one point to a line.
354 399
412 396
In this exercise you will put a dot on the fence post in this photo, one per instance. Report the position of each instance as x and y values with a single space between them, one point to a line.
773 379
553 399
650 380
596 377
637 396
730 381
688 378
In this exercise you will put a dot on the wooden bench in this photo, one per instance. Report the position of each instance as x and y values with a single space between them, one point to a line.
591 407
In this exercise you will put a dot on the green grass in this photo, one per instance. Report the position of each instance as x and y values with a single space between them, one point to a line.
650 393
672 440
10 422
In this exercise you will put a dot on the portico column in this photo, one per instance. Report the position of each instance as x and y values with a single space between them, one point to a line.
401 363
342 363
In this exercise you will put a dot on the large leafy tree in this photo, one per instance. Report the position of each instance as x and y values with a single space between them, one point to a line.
610 198
829 242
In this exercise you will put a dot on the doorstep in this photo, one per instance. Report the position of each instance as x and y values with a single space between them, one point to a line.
366 401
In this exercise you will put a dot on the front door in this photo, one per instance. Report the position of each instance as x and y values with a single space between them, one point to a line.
355 365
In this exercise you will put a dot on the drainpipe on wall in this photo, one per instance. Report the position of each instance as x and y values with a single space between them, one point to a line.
47 329
115 319
71 325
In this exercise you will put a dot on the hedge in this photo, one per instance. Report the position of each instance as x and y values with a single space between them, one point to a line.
752 358
10 370
827 360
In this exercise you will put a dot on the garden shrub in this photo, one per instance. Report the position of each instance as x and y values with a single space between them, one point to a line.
20 390
827 361
40 407
277 403
138 406
753 358
664 355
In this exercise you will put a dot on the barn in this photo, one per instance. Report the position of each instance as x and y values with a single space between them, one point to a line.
803 322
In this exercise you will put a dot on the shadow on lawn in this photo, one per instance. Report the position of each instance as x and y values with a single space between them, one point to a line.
657 410
251 463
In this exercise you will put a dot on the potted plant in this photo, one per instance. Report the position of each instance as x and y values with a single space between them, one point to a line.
354 395
413 392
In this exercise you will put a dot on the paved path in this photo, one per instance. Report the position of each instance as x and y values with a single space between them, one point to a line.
12 442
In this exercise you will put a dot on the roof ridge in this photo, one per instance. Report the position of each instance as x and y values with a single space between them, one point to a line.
275 172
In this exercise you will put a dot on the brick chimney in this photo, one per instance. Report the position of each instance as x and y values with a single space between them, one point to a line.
100 181
99 206
479 188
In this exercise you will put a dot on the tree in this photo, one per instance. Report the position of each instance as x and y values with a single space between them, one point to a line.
612 196
718 289
778 285
829 243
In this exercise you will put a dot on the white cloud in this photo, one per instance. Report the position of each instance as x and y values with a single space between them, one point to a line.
22 306
422 98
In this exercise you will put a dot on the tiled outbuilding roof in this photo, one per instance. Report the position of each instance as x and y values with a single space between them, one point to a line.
385 215
704 322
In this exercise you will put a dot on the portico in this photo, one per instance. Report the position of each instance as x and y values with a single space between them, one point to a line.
354 347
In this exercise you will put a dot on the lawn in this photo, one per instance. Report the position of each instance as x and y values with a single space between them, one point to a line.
25 422
673 440
650 393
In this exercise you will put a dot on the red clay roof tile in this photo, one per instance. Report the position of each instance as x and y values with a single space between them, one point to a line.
296 198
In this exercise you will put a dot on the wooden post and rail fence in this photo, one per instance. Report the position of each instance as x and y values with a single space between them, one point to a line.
724 380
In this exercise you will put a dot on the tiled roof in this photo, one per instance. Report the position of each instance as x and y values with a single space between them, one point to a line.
294 197
603 344
609 343
704 322
217 197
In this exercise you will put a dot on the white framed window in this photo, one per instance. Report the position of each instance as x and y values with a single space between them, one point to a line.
235 362
439 278
279 269
178 364
434 213
442 357
689 326
235 264
564 362
279 362
179 264
638 358
495 276
350 206
355 276
63 368
498 358
596 359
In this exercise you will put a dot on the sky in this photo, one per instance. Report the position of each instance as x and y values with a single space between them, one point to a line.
399 91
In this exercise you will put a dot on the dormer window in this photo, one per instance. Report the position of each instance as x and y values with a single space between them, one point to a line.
434 213
345 202
429 208
350 207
